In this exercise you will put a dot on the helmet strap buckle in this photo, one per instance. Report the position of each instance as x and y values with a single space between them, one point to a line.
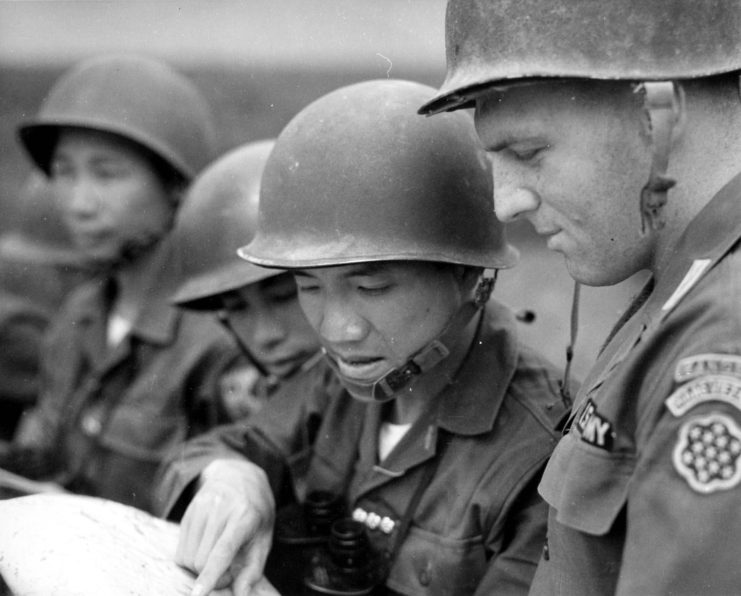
424 360
484 289
396 380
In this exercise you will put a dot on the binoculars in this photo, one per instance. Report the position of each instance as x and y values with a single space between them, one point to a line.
318 549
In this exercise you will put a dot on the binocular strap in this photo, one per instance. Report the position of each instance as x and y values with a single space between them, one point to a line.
406 519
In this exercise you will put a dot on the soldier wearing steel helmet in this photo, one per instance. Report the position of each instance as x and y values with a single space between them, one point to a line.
437 422
38 267
125 377
257 306
615 129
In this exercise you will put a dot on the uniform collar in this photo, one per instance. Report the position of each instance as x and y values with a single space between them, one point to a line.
157 320
708 237
469 405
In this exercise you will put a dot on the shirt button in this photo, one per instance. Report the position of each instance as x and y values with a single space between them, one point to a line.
91 425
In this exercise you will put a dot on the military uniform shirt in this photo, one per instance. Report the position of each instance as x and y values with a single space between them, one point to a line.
479 525
645 487
111 415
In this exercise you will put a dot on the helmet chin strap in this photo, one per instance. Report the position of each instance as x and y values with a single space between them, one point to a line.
396 380
222 315
135 246
663 102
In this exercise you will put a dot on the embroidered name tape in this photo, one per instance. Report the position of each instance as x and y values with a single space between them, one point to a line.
593 428
707 364
722 388
707 453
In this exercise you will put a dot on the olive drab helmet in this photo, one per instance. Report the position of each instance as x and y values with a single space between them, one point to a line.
218 215
495 42
356 177
652 43
135 97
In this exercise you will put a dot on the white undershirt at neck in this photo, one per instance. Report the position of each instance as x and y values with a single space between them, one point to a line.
389 436
118 327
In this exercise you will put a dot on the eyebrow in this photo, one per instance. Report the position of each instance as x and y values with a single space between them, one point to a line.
97 158
358 269
275 280
504 142
301 273
514 139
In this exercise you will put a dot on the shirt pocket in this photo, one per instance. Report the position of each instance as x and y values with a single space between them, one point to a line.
141 435
586 485
431 564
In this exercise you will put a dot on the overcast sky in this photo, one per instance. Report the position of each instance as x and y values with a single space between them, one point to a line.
364 32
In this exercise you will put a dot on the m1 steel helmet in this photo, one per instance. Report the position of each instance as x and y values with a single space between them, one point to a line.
357 176
497 42
218 216
136 97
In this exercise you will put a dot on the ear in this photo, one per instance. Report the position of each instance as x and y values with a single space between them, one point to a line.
662 105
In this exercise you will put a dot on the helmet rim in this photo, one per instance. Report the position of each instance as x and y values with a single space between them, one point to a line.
504 41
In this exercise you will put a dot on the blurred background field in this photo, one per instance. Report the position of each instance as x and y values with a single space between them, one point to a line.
259 62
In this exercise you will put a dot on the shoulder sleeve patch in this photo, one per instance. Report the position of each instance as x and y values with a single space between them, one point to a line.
707 364
707 453
723 388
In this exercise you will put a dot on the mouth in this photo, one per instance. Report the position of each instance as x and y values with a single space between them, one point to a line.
284 365
361 368
88 237
550 236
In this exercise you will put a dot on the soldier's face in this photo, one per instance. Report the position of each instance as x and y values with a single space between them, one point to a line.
269 320
110 194
372 317
572 159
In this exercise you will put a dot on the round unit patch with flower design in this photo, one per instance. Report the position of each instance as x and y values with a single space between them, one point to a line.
708 453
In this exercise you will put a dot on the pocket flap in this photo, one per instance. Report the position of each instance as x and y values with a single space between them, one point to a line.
587 486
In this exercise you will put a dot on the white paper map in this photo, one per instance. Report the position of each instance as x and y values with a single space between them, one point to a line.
70 545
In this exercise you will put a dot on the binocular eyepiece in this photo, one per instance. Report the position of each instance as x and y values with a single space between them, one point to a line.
348 566
318 549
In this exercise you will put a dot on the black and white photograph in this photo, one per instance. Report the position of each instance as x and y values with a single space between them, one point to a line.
390 297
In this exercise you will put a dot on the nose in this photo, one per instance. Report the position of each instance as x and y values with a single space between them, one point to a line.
511 204
81 198
339 324
512 198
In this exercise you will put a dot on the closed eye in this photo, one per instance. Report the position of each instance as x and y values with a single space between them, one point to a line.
374 290
306 288
283 296
232 302
521 150
526 155
60 169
